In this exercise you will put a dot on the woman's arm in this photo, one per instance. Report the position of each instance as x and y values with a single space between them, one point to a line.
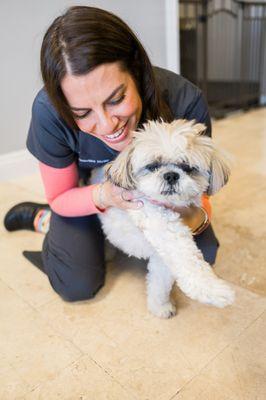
66 198
63 194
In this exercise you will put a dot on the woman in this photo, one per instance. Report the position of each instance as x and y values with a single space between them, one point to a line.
99 86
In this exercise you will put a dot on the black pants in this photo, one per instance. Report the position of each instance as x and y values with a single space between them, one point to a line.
73 255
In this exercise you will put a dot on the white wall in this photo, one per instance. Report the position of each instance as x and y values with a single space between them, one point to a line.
22 25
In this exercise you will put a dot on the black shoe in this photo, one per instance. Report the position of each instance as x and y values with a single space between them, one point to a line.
22 215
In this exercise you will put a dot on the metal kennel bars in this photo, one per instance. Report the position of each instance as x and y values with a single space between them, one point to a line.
223 51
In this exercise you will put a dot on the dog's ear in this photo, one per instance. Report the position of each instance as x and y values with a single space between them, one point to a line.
218 161
219 171
120 171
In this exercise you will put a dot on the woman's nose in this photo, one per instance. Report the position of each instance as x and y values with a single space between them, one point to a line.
106 124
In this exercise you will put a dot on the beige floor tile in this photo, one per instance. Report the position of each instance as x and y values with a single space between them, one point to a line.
241 258
17 272
238 373
123 294
82 380
12 385
32 182
113 334
196 334
151 357
240 208
12 191
28 344
154 372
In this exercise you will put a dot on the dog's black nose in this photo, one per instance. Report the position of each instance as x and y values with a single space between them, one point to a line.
171 177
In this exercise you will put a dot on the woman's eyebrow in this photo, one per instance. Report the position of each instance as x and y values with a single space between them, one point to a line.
114 92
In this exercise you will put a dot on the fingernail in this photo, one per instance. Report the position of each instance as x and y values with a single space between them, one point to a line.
139 204
126 196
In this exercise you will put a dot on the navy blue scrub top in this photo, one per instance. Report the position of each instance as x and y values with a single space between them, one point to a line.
53 143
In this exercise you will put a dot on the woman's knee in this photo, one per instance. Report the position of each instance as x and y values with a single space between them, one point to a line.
76 270
79 291
71 280
77 284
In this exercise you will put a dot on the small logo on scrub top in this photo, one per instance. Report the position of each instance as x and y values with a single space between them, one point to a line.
89 160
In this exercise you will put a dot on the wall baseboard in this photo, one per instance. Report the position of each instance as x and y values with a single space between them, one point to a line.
17 164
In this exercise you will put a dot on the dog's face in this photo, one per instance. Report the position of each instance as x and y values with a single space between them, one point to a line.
170 162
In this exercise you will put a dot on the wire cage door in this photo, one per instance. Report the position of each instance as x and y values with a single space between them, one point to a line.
223 51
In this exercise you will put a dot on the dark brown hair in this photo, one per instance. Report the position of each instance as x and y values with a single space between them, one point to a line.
86 37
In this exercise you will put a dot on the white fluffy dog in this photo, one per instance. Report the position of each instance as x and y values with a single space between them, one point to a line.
170 164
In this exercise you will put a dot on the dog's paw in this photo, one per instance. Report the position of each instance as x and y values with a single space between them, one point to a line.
218 294
166 310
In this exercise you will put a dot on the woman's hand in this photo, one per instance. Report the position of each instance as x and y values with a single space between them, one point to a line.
107 195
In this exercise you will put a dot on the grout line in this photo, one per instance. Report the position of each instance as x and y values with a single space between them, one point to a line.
15 371
17 294
65 339
218 354
111 376
47 322
84 353
44 382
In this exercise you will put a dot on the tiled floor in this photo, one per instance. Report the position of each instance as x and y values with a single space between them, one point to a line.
111 347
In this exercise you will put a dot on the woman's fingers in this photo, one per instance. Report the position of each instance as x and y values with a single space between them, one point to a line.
125 199
108 195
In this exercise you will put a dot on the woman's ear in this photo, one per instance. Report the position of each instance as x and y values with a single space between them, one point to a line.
120 171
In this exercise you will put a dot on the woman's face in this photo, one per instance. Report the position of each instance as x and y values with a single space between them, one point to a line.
105 103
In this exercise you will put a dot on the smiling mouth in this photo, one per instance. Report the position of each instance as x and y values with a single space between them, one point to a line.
117 135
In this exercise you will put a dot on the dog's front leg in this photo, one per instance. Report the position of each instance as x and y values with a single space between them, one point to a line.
174 243
159 284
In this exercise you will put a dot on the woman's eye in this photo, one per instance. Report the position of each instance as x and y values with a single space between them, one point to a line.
80 116
111 102
117 101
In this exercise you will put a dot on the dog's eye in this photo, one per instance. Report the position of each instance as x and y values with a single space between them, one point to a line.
187 168
153 167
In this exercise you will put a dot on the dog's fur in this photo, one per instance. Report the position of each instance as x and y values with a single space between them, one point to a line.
171 164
